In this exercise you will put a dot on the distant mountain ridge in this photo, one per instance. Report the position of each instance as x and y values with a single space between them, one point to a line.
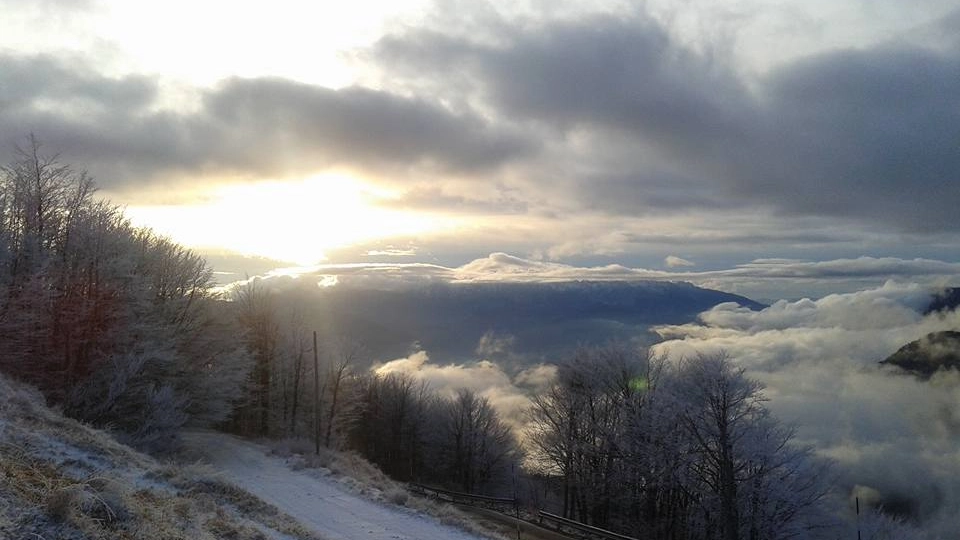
538 321
929 354
946 300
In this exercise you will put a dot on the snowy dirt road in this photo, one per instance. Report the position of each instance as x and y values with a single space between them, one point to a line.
317 503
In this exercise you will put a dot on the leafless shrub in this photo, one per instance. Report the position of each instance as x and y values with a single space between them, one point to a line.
398 496
62 502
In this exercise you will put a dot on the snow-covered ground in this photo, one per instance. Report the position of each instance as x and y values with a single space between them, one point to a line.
316 502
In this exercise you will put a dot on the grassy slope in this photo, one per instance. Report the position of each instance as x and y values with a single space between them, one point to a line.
61 479
364 479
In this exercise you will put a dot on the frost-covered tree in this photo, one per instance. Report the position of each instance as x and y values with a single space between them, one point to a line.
341 355
261 334
476 449
114 323
58 241
169 347
748 479
392 421
673 452
578 428
292 374
876 525
553 437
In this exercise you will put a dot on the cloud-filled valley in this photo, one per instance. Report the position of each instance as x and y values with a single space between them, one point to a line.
893 436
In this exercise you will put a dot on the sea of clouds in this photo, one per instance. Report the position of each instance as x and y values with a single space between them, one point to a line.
895 438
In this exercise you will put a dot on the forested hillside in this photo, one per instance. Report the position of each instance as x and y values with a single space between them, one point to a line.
111 322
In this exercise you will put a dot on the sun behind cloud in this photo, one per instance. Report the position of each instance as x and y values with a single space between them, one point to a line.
295 221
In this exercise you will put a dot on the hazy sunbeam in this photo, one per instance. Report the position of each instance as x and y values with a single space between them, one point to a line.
296 221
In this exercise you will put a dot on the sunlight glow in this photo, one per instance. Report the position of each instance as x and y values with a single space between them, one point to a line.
296 222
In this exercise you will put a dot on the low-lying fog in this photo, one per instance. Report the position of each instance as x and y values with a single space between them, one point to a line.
896 438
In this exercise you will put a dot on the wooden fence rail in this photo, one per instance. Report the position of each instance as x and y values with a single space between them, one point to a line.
568 525
508 507
494 503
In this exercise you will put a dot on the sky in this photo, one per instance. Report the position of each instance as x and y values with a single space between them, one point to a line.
776 148
717 141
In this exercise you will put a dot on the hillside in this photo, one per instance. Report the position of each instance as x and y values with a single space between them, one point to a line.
927 355
61 479
934 351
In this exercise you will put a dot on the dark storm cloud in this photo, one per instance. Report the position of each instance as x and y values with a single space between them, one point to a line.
662 192
600 71
31 78
355 124
871 134
252 127
105 123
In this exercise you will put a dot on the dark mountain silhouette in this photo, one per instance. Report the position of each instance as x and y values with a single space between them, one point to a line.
927 355
946 300
533 321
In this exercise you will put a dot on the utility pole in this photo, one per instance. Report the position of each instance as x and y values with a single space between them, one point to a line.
316 395
857 501
516 502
